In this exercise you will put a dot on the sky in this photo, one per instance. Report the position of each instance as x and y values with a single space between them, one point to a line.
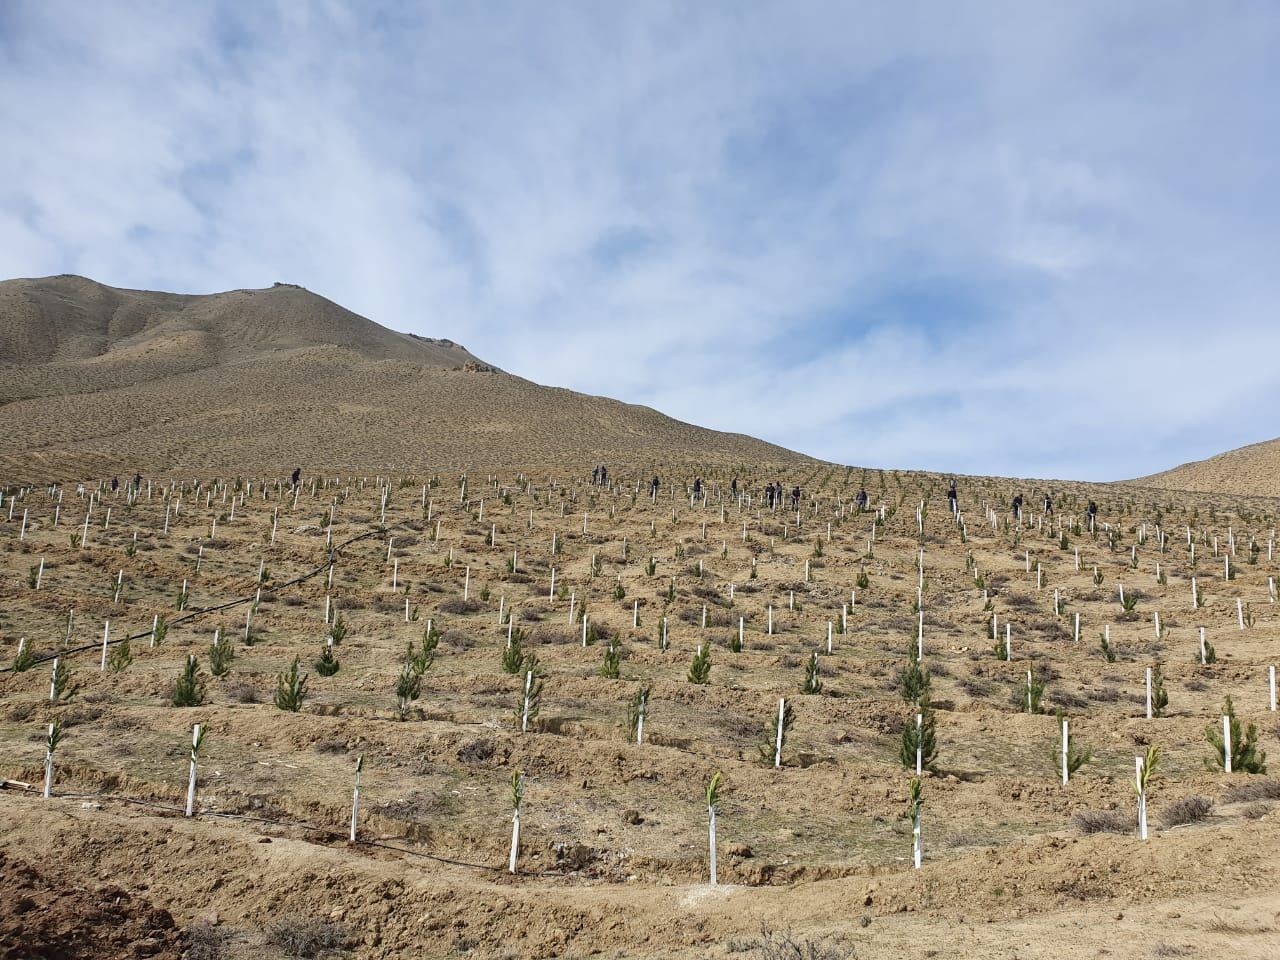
1003 238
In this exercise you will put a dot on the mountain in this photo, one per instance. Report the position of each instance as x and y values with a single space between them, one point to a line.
97 380
1253 470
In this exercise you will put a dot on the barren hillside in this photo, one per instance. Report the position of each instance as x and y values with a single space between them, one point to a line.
95 379
1252 470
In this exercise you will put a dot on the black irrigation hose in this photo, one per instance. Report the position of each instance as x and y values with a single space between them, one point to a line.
380 844
194 614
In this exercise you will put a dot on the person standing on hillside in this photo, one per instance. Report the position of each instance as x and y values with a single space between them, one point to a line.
1093 515
1048 505
653 488
795 499
733 487
861 500
1017 508
697 487
953 497
604 475
595 476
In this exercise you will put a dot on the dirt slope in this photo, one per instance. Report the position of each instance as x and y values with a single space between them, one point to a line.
98 380
1252 470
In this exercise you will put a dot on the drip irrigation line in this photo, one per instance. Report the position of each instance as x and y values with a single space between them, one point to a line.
381 843
204 611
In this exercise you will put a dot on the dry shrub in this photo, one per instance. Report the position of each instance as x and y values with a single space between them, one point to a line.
459 607
1255 811
306 936
1104 821
206 942
1185 810
1255 788
242 692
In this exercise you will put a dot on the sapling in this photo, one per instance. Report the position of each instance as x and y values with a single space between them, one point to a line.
1235 750
531 696
516 796
221 653
188 689
120 657
915 802
609 669
512 657
776 733
355 798
637 710
1107 651
60 685
408 689
1144 769
700 668
918 748
1071 755
713 795
913 679
1034 692
1159 695
328 664
812 682
25 658
337 629
51 742
197 741
291 688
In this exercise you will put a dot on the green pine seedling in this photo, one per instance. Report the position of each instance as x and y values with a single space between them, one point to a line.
700 668
188 689
328 664
291 689
1245 755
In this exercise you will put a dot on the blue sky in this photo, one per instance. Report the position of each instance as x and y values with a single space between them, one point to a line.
1029 239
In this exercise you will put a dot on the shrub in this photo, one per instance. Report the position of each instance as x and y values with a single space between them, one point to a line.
1185 810
306 937
1103 821
1262 788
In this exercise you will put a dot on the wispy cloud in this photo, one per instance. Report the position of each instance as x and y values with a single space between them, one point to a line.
979 237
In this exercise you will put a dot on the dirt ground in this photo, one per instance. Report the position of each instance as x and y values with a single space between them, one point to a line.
614 860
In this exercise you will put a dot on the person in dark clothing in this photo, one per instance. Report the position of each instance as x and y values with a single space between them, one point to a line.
295 476
1048 505
697 486
137 481
1093 514
862 500
595 476
795 499
1017 507
604 475
734 487
952 495
115 484
653 487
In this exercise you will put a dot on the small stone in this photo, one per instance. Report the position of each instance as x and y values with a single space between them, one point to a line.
632 817
264 839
